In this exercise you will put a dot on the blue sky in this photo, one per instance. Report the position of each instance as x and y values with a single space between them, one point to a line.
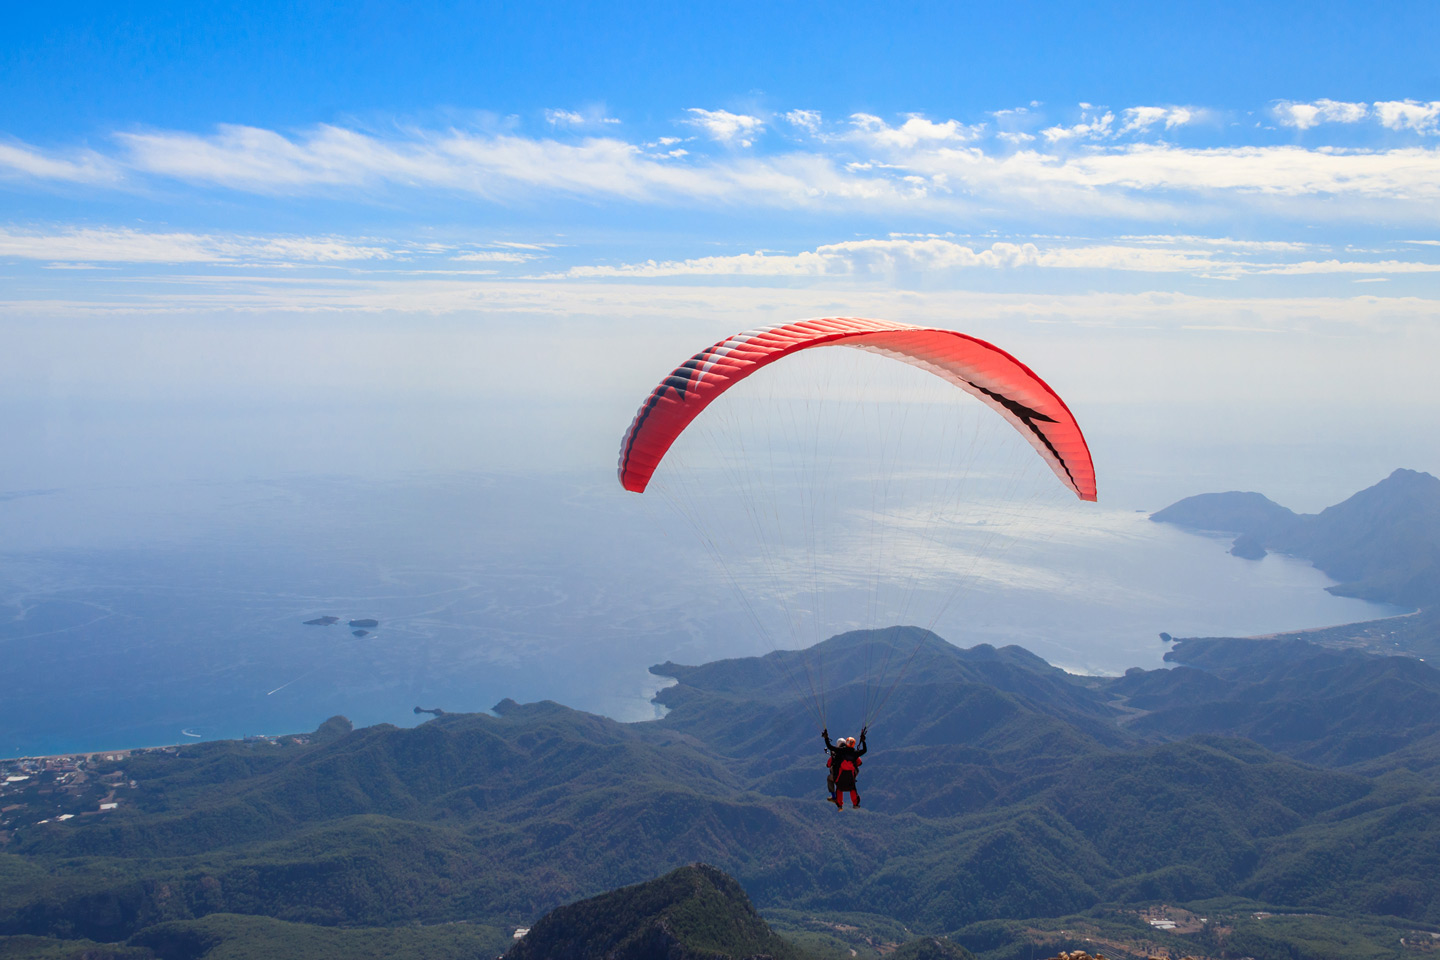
1183 194
254 254
78 69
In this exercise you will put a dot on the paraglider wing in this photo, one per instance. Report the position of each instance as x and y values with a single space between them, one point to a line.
979 368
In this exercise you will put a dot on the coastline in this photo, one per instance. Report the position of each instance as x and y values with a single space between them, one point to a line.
1370 636
93 756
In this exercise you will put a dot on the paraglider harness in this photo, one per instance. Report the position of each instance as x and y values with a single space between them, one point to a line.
842 759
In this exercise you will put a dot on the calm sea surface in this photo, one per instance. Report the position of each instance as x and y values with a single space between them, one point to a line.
185 616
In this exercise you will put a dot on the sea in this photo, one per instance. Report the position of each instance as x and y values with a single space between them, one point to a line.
153 611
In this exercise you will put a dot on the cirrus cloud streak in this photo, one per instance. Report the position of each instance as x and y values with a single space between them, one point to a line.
1104 165
936 256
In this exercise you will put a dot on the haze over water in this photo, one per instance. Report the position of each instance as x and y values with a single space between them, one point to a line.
135 610
343 313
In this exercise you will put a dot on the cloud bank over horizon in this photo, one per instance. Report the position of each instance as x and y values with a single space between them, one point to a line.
1128 163
1336 191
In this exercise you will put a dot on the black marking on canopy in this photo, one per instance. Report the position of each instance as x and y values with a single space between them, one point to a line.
1014 406
635 427
680 380
1028 417
687 374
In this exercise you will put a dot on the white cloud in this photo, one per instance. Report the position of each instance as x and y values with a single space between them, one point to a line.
1091 127
1409 114
1349 266
1141 119
895 261
1269 246
718 306
914 131
1412 173
858 258
494 256
574 118
1303 116
488 166
807 120
123 245
1012 126
495 167
731 128
1097 124
85 166
1195 256
938 168
312 249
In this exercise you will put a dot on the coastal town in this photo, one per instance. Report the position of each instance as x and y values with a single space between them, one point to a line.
53 790
59 790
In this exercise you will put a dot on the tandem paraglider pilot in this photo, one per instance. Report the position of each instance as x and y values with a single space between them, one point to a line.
844 767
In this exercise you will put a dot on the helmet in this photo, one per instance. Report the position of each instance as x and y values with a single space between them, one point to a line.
849 741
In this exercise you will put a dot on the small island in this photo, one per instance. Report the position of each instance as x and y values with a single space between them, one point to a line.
322 621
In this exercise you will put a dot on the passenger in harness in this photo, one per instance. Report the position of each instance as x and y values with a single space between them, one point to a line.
844 766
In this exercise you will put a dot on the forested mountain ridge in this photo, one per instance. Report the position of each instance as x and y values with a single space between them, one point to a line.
692 913
1331 707
997 787
1382 544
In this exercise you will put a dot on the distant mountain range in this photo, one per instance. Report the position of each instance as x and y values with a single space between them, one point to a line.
1382 544
999 791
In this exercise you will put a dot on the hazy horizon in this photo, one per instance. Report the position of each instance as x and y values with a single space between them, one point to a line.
349 315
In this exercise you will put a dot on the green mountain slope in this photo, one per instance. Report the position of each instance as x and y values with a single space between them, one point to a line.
693 913
1331 707
996 788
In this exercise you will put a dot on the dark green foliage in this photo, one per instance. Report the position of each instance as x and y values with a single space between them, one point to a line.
334 728
1333 707
988 936
997 788
1231 930
1311 937
1379 862
931 948
694 912
837 933
229 937
48 948
1206 807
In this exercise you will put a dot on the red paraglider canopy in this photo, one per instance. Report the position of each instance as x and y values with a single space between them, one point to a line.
977 367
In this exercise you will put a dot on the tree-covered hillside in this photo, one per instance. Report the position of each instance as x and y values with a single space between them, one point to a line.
997 788
693 913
